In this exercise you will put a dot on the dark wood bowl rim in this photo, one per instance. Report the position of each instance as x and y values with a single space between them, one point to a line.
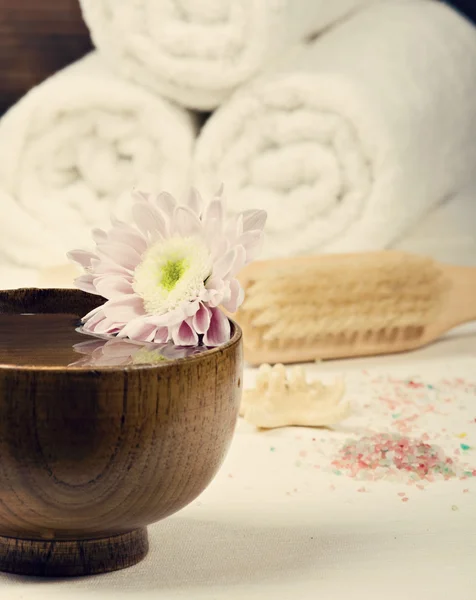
236 335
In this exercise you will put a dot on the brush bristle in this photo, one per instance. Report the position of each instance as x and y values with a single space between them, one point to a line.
356 300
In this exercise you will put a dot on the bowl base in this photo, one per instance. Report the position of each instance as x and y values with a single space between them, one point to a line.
72 558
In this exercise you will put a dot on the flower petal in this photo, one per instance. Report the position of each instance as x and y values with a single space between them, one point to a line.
185 222
89 346
254 219
138 329
223 265
219 331
108 267
93 313
184 335
139 195
166 204
169 319
252 242
121 254
215 210
234 228
239 263
195 202
161 335
112 286
215 291
82 257
190 308
130 237
99 235
149 220
236 298
201 319
124 309
85 283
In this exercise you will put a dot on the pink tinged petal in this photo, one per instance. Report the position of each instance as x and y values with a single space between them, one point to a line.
92 319
82 257
215 283
149 220
121 254
195 202
184 335
89 346
99 235
185 222
219 331
118 347
240 261
201 319
254 219
107 327
215 298
130 237
115 222
124 309
138 195
99 323
166 204
112 286
105 266
215 210
190 308
216 291
96 311
234 228
218 247
223 265
139 330
252 242
236 298
85 283
161 335
168 319
110 361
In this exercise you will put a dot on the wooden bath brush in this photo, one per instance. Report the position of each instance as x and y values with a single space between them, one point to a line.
334 306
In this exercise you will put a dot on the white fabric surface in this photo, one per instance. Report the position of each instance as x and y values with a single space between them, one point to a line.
197 52
270 526
71 147
356 136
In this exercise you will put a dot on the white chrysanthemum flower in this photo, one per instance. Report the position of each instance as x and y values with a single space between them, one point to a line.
165 277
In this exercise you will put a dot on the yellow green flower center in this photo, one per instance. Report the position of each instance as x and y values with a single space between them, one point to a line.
171 273
148 357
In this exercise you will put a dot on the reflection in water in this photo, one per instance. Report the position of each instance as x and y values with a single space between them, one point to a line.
115 352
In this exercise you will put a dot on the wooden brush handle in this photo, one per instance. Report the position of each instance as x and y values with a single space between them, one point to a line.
461 306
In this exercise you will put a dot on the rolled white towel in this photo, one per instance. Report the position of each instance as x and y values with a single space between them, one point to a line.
71 147
197 52
356 136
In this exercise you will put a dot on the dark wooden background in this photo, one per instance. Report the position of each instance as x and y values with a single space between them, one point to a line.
37 37
467 7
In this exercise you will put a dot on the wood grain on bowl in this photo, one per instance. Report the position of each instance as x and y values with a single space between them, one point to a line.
91 456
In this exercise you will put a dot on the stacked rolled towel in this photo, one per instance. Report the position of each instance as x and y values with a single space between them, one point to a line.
197 52
356 136
70 148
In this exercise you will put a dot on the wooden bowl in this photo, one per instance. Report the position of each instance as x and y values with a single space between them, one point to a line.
89 456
